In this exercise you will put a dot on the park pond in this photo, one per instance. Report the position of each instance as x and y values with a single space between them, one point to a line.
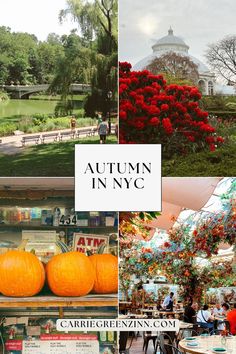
33 115
13 108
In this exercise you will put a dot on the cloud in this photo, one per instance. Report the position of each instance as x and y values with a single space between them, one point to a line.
197 22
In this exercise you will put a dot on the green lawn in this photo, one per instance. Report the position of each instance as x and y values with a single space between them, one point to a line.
219 163
56 159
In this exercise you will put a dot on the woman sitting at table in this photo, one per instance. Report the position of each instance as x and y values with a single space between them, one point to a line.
204 318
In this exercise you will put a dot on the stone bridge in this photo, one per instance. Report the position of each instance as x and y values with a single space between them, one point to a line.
24 91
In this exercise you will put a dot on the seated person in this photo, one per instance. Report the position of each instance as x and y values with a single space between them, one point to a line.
168 303
190 313
204 318
220 310
231 318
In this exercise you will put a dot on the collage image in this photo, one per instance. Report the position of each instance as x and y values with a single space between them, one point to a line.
95 72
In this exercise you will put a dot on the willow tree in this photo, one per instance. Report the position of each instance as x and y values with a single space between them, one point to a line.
96 60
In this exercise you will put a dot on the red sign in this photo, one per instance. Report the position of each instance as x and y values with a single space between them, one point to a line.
13 344
82 242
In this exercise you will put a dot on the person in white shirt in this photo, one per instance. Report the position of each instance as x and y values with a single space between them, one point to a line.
205 318
220 310
168 302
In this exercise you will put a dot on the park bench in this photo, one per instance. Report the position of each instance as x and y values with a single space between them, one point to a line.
70 134
26 139
86 131
49 136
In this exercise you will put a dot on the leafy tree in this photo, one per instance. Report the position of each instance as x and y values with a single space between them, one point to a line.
221 58
71 68
3 68
177 67
97 22
25 60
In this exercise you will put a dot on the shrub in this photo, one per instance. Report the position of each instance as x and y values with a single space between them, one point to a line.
49 125
153 112
61 123
7 129
3 96
25 124
32 130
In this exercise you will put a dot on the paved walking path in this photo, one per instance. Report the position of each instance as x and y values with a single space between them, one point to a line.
11 145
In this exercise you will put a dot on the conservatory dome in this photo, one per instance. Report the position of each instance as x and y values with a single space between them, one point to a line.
172 43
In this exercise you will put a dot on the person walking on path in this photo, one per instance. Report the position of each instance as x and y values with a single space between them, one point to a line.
73 123
103 130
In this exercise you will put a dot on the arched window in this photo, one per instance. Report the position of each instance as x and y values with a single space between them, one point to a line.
202 86
210 88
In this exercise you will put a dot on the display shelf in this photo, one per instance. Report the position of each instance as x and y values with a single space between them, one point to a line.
50 227
56 301
61 303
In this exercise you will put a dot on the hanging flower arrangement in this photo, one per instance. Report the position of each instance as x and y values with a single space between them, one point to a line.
186 258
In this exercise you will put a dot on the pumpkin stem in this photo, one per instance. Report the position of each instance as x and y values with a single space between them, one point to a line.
101 248
22 245
89 252
63 247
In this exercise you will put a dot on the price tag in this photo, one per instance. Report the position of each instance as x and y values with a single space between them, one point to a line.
68 220
61 347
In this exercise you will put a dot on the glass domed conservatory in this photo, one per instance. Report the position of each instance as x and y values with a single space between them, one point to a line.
172 43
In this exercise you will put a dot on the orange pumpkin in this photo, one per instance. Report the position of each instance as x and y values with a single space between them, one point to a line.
106 268
70 274
21 274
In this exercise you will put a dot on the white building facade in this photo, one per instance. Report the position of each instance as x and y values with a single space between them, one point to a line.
172 43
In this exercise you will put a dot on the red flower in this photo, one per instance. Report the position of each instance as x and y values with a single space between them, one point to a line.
172 110
154 121
167 244
212 147
123 115
167 126
138 124
164 107
220 139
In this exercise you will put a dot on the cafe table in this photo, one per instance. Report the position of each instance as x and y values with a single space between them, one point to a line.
185 325
165 314
131 315
205 345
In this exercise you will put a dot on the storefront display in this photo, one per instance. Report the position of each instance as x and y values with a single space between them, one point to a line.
46 241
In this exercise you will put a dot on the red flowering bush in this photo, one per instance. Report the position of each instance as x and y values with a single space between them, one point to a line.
153 112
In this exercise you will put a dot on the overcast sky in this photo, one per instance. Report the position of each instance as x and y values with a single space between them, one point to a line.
39 17
198 22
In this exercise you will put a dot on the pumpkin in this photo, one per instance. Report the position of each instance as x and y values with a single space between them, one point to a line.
106 270
70 274
21 274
